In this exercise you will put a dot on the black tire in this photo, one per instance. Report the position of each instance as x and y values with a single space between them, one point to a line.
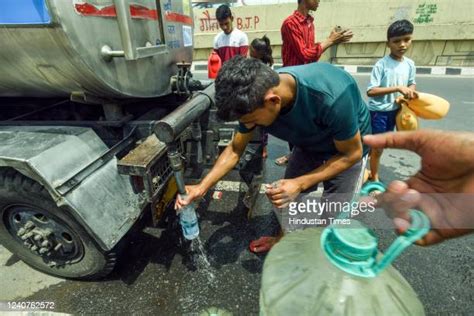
19 195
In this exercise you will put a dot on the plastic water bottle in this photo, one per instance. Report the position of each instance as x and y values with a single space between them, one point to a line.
338 270
189 221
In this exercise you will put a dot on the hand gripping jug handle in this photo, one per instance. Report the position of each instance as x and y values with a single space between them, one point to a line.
420 226
355 250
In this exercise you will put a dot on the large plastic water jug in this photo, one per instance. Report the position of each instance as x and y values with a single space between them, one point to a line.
339 270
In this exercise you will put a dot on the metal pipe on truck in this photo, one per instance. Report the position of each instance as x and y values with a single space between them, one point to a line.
172 125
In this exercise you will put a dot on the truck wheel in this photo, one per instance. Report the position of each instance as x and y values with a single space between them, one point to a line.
43 235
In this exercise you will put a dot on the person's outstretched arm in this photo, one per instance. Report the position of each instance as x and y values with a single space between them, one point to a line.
443 188
408 92
225 163
336 37
350 152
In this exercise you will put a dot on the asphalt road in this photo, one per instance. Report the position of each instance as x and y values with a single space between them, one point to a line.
157 277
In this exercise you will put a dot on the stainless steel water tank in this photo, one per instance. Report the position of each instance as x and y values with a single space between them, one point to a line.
106 48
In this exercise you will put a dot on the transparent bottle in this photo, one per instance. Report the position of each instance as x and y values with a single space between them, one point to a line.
189 222
338 271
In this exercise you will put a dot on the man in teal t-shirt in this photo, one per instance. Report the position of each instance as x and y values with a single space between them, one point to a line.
317 107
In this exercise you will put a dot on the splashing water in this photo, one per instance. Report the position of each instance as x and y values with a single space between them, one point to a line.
201 260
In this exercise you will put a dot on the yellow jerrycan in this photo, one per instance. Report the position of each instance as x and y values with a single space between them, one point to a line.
427 106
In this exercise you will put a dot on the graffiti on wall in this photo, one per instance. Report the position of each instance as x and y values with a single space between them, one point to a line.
425 13
210 24
247 23
400 13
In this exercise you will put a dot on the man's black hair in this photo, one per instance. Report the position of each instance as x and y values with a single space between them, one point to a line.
241 86
223 12
399 28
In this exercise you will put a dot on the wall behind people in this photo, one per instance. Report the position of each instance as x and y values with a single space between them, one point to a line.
444 29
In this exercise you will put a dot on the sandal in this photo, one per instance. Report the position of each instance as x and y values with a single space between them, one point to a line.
282 161
263 244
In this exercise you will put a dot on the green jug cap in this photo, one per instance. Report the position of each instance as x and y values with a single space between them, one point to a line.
353 248
356 243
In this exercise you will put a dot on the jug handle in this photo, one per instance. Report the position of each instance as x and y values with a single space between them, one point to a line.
401 101
420 226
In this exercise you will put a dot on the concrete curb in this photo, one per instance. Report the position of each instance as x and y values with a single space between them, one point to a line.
353 69
436 70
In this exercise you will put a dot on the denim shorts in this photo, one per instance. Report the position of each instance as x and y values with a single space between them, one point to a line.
383 121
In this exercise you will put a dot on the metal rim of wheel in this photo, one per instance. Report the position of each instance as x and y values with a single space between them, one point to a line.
43 234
